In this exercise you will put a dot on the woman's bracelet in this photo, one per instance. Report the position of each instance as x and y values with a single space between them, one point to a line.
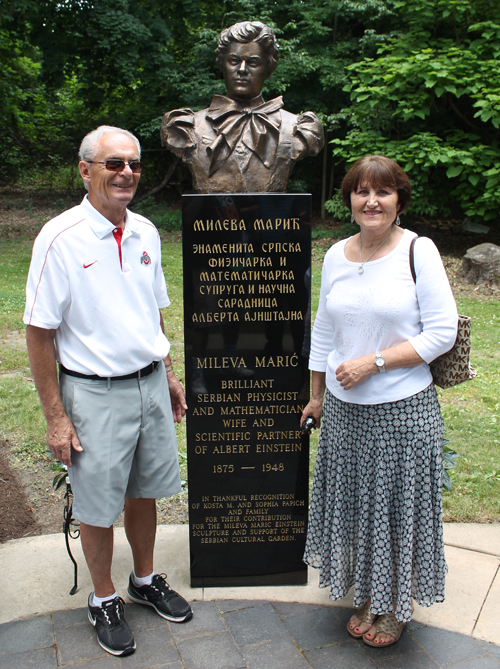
169 368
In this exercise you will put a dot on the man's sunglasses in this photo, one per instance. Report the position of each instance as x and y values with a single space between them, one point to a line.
119 165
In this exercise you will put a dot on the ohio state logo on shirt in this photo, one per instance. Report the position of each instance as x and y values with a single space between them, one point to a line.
145 259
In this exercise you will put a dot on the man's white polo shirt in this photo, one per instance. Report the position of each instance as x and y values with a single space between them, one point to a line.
106 315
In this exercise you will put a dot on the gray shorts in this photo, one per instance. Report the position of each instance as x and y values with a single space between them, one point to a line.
129 445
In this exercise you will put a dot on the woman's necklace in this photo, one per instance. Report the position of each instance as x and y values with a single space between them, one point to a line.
361 267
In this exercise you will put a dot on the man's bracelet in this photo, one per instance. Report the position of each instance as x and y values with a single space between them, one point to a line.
169 368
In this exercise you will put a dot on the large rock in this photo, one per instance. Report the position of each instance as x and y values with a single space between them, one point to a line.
481 264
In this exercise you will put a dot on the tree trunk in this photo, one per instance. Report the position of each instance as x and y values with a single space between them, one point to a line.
481 264
332 181
157 189
323 185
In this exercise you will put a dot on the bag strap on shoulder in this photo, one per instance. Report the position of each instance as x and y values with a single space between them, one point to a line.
412 259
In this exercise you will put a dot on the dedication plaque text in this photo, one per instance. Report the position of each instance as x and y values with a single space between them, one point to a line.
247 275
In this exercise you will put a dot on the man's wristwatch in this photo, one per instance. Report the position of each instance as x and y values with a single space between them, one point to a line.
380 361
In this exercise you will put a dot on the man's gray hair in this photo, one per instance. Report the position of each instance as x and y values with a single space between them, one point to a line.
245 32
89 147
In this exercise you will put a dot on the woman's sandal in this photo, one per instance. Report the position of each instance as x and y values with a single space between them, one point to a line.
364 615
386 624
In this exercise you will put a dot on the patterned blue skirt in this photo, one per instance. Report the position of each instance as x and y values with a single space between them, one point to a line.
375 519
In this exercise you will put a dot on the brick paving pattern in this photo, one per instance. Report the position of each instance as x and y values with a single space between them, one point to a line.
236 635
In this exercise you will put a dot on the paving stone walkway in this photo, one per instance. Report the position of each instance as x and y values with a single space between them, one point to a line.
236 635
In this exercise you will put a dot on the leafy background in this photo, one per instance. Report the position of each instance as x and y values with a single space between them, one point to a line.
418 80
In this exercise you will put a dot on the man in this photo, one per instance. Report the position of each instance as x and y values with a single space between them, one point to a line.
241 144
94 294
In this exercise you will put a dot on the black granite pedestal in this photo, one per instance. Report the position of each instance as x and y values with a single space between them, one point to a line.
247 274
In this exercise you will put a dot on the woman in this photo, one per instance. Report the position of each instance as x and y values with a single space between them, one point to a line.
375 519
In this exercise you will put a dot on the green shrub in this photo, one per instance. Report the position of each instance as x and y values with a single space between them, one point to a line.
337 208
160 214
430 101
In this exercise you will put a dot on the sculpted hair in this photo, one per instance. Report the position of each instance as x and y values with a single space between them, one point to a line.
89 147
377 171
245 32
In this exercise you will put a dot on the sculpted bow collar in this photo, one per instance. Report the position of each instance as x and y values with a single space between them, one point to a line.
257 127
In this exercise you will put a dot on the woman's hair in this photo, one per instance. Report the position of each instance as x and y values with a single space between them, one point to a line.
379 172
245 32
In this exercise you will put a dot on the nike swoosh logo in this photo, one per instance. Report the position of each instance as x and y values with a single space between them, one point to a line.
89 265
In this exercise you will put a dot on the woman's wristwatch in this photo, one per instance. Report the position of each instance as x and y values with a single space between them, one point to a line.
380 361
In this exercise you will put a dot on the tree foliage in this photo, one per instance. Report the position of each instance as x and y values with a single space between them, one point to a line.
430 100
418 80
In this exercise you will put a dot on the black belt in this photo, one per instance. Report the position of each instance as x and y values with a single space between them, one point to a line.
146 371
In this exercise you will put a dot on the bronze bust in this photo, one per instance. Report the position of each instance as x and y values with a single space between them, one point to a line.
242 144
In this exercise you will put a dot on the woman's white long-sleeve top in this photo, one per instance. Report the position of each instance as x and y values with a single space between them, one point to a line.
359 314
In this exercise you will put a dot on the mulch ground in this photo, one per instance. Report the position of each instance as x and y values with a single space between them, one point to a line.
18 518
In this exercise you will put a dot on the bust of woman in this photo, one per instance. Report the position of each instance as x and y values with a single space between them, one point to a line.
242 144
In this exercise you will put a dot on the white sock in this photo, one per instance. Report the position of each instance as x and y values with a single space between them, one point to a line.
143 580
98 601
